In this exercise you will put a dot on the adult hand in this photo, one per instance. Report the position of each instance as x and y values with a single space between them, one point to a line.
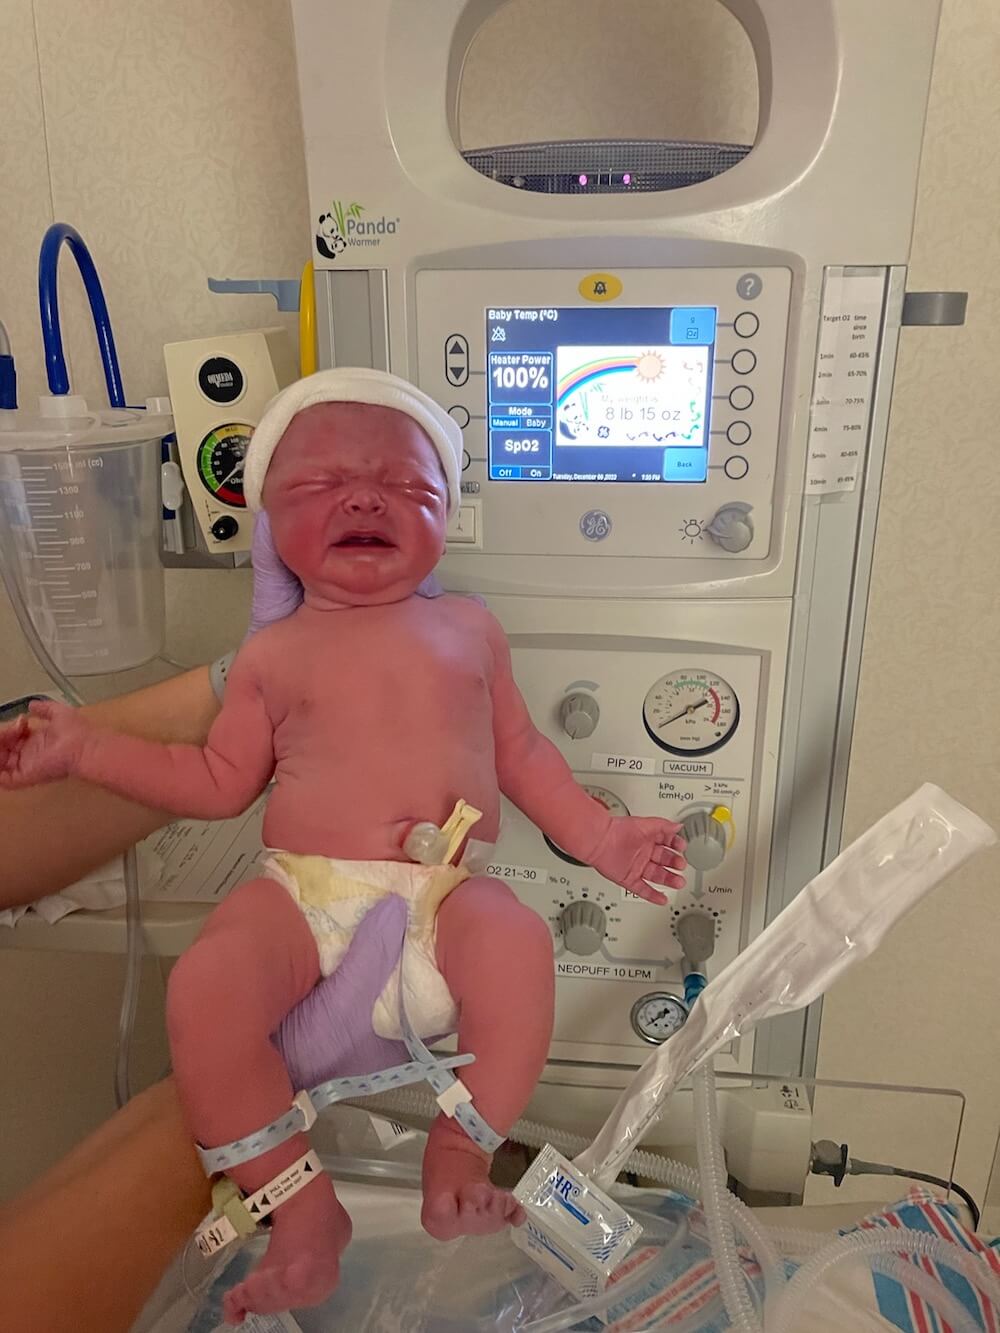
329 1034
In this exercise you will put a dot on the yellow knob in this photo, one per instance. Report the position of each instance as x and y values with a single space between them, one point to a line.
725 817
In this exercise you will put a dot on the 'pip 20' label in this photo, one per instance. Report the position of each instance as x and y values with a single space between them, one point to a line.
622 763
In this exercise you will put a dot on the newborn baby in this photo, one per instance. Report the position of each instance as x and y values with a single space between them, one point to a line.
374 710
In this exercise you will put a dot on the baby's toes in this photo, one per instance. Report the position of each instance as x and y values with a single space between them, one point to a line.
476 1198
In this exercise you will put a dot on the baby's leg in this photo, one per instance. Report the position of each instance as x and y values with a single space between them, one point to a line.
253 961
496 956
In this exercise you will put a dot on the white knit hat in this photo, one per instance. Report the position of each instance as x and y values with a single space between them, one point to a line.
352 385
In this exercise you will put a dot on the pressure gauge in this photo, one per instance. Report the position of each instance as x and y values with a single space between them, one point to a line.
691 712
658 1016
604 797
221 456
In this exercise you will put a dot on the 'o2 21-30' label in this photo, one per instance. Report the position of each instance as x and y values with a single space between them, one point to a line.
622 763
521 874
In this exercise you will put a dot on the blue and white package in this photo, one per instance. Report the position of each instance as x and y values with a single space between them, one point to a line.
574 1230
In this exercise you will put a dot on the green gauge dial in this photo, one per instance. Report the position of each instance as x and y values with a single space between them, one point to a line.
221 455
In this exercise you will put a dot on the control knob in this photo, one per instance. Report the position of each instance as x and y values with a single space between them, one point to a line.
584 926
706 840
579 714
732 527
224 529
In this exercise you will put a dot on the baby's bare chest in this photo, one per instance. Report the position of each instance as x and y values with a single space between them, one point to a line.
370 678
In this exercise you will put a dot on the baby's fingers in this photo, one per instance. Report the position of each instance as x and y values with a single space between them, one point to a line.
14 733
658 874
12 740
645 891
48 710
669 857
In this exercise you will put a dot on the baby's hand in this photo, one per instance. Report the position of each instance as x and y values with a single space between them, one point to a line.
637 850
44 749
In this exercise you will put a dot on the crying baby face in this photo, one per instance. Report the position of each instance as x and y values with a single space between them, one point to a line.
357 500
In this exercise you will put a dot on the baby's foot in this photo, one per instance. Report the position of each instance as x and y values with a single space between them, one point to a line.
459 1198
309 1233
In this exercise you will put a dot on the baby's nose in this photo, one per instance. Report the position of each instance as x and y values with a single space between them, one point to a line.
364 499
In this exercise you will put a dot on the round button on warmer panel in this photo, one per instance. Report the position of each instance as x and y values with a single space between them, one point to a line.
584 926
706 839
738 433
460 414
732 526
741 397
744 361
736 468
746 324
579 714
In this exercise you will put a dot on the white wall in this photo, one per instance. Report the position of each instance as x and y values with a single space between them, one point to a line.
923 1009
174 145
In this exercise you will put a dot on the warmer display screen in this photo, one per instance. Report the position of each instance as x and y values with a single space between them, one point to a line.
600 394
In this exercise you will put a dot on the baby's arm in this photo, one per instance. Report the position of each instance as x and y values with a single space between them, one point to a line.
534 775
213 781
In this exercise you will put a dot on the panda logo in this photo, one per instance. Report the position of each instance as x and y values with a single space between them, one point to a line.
571 419
329 242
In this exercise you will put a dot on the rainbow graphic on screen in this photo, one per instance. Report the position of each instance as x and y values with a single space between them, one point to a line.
593 370
640 395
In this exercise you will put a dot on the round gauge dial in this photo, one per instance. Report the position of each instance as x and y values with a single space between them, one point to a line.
691 712
221 455
610 802
658 1016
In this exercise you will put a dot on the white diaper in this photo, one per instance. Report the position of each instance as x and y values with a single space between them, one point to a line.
335 896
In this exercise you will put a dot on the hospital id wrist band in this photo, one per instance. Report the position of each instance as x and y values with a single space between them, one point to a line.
235 1216
218 673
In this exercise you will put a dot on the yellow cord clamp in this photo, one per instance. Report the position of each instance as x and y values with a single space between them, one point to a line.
429 845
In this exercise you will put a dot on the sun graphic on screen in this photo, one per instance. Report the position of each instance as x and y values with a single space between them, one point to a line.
649 366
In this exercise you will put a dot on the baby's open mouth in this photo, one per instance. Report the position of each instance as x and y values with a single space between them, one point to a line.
363 540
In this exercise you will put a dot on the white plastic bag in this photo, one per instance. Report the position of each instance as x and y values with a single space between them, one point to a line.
840 917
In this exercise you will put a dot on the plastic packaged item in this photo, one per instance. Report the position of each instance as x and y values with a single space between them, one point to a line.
839 918
80 523
574 1231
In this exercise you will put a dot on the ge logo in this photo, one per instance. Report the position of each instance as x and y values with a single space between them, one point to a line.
595 525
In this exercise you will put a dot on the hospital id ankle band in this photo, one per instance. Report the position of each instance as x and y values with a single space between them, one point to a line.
237 1216
305 1106
453 1096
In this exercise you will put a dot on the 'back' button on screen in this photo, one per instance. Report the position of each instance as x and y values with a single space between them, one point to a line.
685 464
